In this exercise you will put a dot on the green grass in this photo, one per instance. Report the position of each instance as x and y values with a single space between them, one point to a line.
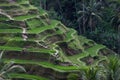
26 76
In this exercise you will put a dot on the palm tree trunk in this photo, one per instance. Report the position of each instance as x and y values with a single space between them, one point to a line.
41 4
80 30
84 30
119 39
77 17
84 27
59 4
90 24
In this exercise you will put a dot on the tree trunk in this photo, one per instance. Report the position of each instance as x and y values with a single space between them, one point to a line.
90 24
84 30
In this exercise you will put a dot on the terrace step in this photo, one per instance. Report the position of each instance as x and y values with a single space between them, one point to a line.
8 26
69 36
50 35
34 23
24 2
45 65
9 6
10 48
26 77
84 40
5 2
11 31
25 17
93 51
32 31
29 16
56 71
53 24
20 39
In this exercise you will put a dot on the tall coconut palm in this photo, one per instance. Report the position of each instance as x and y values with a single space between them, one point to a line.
115 21
89 15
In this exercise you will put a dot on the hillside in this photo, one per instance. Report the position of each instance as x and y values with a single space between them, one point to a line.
45 47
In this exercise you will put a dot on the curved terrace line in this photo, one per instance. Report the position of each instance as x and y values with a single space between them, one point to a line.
41 44
5 14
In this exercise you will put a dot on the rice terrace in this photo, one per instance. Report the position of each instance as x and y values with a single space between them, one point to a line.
34 46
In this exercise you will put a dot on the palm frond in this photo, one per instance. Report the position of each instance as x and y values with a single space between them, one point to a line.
6 67
1 54
16 67
96 16
82 12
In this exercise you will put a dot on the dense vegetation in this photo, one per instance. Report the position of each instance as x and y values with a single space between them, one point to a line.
48 50
96 19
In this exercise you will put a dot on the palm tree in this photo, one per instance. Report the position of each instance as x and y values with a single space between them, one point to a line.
112 67
115 21
8 68
93 73
89 15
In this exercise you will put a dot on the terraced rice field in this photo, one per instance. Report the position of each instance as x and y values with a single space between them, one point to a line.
46 42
